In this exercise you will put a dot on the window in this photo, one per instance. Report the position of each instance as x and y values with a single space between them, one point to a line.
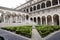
54 2
48 3
43 5
31 9
38 6
34 8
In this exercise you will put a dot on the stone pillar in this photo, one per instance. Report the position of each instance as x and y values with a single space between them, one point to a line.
52 21
41 21
59 20
46 20
58 2
4 18
51 3
36 20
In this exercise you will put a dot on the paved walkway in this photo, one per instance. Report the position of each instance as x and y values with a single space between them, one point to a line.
54 36
11 36
35 34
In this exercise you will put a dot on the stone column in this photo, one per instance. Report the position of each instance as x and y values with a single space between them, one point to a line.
41 21
59 20
46 20
51 3
36 20
4 18
52 21
58 2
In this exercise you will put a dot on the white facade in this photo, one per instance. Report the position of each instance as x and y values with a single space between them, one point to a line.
42 12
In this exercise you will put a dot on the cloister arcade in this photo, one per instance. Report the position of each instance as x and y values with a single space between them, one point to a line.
49 20
42 5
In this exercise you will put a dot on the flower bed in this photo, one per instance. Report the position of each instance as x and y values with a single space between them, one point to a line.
46 30
23 30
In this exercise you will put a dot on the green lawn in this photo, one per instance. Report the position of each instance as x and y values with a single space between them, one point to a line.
46 30
22 30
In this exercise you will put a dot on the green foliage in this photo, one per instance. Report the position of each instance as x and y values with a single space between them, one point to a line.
23 30
45 30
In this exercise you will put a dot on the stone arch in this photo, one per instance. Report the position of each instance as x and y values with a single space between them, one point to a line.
27 10
54 2
43 5
43 20
34 8
48 3
49 20
31 19
27 17
34 19
39 21
56 19
38 6
31 9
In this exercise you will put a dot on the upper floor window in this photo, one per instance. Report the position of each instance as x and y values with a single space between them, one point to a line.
54 2
31 9
43 5
34 8
48 3
38 6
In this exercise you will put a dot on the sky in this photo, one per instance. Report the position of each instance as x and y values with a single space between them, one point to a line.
11 3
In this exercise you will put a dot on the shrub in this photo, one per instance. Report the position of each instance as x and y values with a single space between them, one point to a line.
45 30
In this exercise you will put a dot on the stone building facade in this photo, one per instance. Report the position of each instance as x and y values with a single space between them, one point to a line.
42 12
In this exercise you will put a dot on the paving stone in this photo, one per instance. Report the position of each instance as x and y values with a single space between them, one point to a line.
9 36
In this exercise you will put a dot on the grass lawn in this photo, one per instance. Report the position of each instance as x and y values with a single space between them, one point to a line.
22 30
46 30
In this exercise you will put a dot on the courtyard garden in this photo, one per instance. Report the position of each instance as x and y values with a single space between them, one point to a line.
46 30
22 30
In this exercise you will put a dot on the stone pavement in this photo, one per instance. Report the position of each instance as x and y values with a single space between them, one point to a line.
35 34
54 36
11 36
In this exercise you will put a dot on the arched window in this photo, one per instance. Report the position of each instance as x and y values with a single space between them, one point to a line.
31 9
48 3
38 6
27 10
34 19
43 5
27 17
34 8
54 2
31 19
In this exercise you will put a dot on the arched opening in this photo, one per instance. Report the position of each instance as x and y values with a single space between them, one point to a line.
43 20
49 20
31 9
34 8
39 22
54 2
48 3
31 19
56 19
43 5
27 17
59 1
27 10
38 6
34 19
